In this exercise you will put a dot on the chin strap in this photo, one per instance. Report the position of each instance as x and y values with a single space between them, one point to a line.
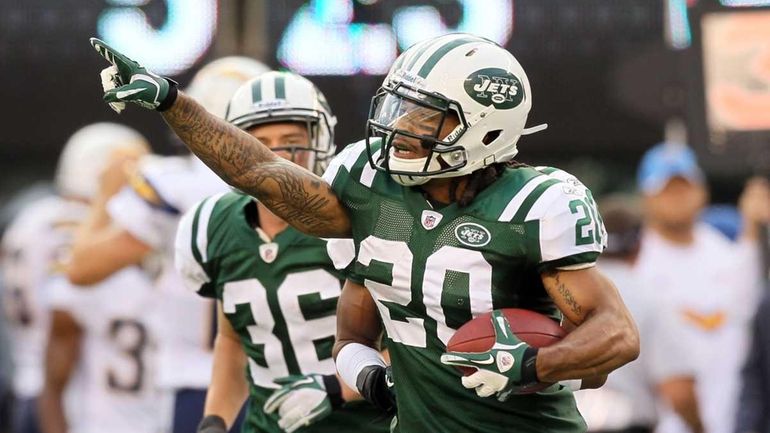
534 129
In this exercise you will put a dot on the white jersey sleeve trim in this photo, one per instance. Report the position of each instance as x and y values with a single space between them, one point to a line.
541 205
202 238
347 157
577 267
192 273
341 251
368 172
519 197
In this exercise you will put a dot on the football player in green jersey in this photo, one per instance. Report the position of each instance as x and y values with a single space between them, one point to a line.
277 288
445 227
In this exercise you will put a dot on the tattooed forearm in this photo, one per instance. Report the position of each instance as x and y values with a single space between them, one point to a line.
605 336
290 191
567 296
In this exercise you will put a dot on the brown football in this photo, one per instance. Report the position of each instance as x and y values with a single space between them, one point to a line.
533 328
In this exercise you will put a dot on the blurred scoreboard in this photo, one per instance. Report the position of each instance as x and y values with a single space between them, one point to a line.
51 86
568 48
50 73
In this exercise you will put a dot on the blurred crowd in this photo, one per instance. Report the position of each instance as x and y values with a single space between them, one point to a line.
96 321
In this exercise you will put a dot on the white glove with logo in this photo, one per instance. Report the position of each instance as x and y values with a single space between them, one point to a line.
304 400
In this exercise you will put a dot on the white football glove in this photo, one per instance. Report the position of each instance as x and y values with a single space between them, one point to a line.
304 400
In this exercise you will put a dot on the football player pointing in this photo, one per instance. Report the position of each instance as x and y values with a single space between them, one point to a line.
446 228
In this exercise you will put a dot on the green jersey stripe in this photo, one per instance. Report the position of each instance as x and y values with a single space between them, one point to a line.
518 198
202 226
280 87
531 199
418 52
441 52
256 91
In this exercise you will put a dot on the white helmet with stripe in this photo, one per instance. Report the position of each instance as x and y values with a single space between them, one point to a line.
287 97
214 84
461 75
86 154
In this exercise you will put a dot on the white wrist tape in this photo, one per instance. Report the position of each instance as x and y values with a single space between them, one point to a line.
353 358
573 385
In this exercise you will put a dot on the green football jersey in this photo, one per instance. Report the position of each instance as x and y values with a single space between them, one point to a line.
430 270
280 296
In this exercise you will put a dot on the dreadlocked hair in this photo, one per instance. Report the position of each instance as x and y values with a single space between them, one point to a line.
480 180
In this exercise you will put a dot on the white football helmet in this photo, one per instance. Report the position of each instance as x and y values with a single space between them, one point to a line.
287 97
215 83
466 75
86 154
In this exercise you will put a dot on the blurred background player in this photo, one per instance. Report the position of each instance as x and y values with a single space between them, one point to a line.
34 246
663 374
276 287
139 223
712 283
103 331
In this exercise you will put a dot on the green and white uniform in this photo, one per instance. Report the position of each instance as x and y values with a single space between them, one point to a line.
280 296
430 270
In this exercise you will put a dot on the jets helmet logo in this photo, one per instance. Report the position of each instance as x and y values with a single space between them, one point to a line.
472 235
495 86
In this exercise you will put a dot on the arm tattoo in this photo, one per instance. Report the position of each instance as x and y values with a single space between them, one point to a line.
567 295
290 191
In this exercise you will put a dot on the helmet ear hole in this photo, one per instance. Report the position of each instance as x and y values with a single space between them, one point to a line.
491 136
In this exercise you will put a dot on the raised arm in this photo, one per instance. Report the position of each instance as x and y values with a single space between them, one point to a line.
605 337
290 191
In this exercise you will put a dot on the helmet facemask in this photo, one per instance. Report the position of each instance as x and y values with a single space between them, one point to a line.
284 97
319 129
403 116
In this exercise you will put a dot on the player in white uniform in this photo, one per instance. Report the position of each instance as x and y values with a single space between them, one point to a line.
108 327
142 224
32 246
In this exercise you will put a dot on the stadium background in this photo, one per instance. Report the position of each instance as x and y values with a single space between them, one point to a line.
611 77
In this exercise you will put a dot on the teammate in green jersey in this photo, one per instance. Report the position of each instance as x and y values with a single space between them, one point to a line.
445 227
277 288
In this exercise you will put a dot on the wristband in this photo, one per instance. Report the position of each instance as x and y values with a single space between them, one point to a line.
212 424
353 358
373 385
529 367
170 97
333 390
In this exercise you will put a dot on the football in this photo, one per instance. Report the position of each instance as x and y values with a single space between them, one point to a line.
533 328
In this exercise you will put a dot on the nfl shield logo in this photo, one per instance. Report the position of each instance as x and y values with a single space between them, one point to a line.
430 219
268 252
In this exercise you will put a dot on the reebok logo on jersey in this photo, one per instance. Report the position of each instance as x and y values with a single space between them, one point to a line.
472 234
495 86
430 219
